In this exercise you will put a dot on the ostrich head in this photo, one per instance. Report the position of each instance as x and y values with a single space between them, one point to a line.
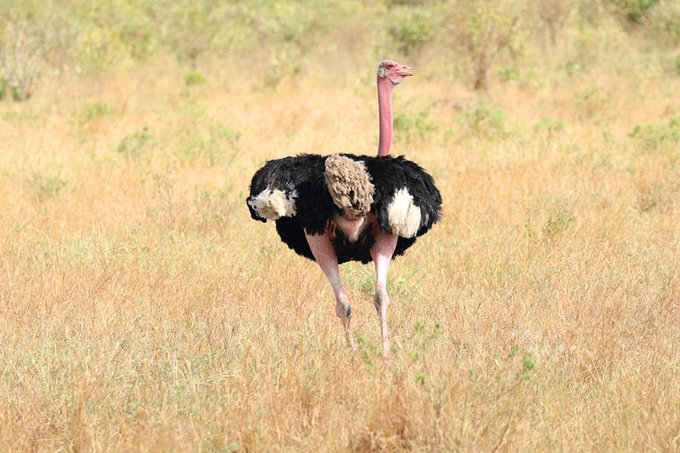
392 71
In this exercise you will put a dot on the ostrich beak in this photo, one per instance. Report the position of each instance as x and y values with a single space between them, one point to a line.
404 74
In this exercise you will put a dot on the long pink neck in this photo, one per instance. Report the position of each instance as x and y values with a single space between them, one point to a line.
385 112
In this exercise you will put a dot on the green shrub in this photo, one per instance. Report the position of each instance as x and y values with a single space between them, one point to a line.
665 23
485 119
47 185
414 125
411 27
558 223
211 147
96 109
508 74
633 11
134 145
190 26
139 36
549 125
574 67
658 136
194 78
288 30
591 101
482 29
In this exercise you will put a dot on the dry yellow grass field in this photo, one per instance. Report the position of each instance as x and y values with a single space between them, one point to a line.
143 310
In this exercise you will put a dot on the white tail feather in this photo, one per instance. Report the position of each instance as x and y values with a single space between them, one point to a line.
273 204
404 215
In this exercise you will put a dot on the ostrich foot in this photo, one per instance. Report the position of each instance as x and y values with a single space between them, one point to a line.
344 312
381 301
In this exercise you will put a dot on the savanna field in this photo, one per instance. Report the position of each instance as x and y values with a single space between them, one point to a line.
142 309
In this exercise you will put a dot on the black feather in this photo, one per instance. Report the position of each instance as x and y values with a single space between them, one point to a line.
303 175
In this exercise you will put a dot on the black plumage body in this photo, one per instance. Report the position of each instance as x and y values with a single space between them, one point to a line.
301 178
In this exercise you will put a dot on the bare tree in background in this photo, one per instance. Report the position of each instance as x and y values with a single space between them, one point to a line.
553 14
482 29
19 57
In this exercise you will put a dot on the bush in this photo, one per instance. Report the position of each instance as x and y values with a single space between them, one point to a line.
658 136
211 148
194 78
189 28
95 109
411 27
414 125
20 59
288 30
549 125
482 29
553 14
632 11
47 185
664 22
485 120
134 145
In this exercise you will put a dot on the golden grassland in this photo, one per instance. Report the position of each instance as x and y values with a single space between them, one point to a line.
142 309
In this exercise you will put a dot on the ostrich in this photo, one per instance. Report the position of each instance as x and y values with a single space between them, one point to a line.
343 207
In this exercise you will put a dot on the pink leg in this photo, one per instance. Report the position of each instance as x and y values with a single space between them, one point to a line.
382 252
325 256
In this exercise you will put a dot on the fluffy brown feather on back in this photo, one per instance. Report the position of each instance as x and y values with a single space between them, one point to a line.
349 184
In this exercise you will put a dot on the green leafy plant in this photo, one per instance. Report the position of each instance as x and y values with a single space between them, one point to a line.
193 26
531 234
558 223
666 23
508 74
549 125
591 101
95 109
47 185
414 125
406 286
194 78
422 338
528 362
485 119
574 67
411 27
658 136
212 146
633 11
288 30
368 350
134 145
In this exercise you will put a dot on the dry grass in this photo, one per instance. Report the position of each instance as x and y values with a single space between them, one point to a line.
142 309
